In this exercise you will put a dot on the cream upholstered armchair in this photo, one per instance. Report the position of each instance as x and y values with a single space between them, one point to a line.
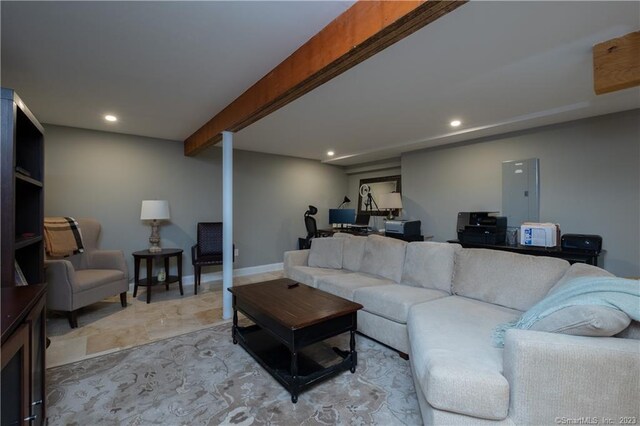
88 277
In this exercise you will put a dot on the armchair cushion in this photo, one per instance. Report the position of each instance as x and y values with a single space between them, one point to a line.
91 278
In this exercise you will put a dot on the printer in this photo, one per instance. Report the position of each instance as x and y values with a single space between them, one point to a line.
402 227
481 228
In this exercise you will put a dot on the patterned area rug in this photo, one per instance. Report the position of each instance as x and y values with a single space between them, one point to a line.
202 378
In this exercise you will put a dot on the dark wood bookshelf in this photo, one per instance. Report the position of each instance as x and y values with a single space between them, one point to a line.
23 396
22 191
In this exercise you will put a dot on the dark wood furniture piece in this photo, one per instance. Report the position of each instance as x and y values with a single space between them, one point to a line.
22 209
590 258
150 280
208 249
357 231
287 317
23 355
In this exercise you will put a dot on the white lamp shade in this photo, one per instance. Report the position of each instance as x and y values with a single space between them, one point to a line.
155 210
390 201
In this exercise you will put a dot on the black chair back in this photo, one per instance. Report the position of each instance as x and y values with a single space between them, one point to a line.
209 238
312 227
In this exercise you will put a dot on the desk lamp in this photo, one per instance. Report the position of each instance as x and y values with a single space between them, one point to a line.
345 201
155 211
391 201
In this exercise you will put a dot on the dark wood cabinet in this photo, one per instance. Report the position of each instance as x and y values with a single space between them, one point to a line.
22 169
23 355
23 311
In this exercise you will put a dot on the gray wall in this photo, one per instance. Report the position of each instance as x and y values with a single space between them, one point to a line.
107 175
589 182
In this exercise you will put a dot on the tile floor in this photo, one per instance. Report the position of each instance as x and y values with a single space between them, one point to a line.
107 327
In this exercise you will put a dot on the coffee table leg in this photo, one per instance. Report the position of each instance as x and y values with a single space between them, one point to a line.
294 377
352 348
234 329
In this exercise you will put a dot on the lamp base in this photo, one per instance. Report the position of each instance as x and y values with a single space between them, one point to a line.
154 238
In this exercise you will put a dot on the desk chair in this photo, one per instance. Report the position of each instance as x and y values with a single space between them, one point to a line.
208 249
312 227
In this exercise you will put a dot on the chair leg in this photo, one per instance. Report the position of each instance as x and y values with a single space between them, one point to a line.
73 318
123 299
196 279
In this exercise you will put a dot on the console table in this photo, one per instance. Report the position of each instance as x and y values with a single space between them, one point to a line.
150 280
590 258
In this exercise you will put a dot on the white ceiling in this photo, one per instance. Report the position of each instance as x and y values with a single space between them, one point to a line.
166 68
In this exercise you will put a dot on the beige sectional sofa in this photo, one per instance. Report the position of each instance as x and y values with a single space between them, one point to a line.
439 303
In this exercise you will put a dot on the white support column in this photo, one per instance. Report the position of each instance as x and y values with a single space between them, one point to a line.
227 223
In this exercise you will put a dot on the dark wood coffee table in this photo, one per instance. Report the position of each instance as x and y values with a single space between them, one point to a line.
288 317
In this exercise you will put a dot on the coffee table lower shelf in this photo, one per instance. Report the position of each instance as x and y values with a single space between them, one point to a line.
278 360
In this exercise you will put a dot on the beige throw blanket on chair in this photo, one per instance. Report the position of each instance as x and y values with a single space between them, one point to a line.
62 236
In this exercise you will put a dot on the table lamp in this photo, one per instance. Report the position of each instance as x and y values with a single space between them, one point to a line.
155 211
390 201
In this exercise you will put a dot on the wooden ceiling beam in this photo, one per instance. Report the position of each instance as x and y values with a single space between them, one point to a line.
359 33
616 64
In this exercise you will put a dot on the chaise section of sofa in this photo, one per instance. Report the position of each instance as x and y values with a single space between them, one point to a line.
440 303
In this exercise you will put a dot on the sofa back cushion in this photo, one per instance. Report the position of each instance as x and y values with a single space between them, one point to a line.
352 252
516 281
429 265
580 270
384 256
326 253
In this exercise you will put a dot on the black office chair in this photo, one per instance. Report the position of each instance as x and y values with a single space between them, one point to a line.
208 250
312 229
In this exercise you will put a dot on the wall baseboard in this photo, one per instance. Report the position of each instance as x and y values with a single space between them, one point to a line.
188 280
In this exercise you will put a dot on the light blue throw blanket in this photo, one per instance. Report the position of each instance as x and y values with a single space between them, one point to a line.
612 292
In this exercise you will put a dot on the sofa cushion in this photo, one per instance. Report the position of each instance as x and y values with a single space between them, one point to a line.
352 252
90 278
580 270
512 280
384 256
455 364
345 285
429 265
584 320
309 275
326 253
393 301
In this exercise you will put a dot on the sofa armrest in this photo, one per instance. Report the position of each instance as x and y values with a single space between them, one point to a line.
60 277
108 259
296 258
556 377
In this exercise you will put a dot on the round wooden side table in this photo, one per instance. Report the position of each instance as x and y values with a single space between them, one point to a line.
150 280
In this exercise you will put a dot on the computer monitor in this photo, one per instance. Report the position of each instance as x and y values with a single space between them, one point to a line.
342 216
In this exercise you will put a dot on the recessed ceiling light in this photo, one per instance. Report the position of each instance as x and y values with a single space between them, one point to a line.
330 153
455 123
110 117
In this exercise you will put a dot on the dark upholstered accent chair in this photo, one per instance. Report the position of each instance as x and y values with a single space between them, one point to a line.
208 250
86 278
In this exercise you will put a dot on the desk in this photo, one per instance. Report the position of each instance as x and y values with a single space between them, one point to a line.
150 280
356 231
590 258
